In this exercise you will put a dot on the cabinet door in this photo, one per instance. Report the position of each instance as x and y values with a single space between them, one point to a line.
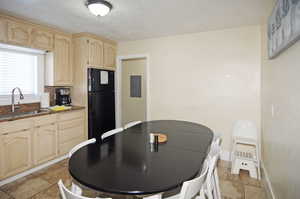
95 53
62 61
41 39
71 133
3 30
16 152
18 33
45 143
110 55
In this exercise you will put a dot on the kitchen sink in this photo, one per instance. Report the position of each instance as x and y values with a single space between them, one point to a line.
16 115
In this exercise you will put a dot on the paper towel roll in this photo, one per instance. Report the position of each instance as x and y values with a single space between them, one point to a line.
45 100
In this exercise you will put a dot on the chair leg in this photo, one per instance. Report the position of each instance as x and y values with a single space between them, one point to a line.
76 189
217 184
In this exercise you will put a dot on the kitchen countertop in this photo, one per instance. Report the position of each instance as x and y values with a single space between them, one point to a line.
43 112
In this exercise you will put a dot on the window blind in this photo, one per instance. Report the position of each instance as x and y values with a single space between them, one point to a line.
18 70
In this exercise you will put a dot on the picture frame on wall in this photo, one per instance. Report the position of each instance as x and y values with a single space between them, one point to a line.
283 26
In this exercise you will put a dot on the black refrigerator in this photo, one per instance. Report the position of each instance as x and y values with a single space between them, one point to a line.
101 102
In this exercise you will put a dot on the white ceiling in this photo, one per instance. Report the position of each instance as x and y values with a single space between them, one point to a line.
140 19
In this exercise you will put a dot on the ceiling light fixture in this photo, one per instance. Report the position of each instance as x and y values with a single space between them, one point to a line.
99 7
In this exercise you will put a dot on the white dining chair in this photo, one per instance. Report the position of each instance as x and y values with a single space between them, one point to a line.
131 124
215 147
80 145
189 188
111 132
67 194
75 188
211 186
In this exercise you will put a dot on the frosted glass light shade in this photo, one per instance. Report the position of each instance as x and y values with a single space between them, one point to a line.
99 8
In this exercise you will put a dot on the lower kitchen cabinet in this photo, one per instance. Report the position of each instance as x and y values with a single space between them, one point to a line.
71 131
16 152
45 143
26 143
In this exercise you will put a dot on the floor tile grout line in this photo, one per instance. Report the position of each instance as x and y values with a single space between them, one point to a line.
51 185
10 196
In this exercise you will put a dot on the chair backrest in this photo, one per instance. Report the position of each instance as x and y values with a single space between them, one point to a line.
67 194
209 182
82 144
245 129
192 187
130 124
111 132
215 147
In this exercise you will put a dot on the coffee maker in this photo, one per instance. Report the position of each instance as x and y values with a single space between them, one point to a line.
63 96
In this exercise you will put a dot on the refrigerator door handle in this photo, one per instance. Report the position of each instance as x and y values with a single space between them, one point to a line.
89 80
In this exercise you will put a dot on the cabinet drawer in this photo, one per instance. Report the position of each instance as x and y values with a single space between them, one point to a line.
70 115
71 133
67 146
46 119
15 126
70 124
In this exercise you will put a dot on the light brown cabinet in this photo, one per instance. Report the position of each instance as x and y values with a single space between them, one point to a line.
110 53
59 62
18 33
16 153
3 30
62 61
45 143
71 130
95 53
41 39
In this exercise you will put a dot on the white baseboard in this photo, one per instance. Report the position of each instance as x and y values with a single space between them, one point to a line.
267 182
30 171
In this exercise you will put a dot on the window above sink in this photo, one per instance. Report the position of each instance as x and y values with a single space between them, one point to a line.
23 68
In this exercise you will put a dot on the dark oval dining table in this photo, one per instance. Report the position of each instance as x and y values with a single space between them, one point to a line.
126 163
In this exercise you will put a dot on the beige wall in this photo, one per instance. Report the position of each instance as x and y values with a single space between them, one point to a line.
133 108
281 132
211 77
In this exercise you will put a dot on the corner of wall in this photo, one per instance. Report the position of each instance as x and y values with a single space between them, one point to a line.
267 183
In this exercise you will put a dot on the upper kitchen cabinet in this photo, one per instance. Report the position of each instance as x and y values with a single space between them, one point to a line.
3 30
94 51
59 62
110 52
18 33
95 54
41 39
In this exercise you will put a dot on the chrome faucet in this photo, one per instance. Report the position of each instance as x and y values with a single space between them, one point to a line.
13 106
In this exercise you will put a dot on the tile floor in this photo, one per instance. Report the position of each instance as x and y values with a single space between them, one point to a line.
42 185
